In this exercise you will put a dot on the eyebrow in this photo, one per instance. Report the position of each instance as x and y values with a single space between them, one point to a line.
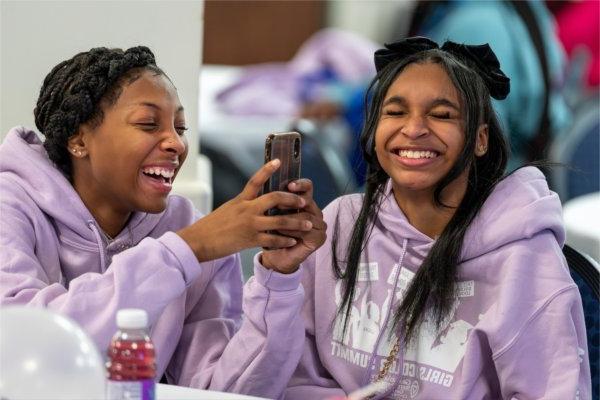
155 106
440 101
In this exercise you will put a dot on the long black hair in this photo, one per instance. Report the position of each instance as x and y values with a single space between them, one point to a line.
433 288
77 89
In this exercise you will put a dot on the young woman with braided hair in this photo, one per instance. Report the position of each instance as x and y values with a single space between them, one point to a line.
88 227
445 279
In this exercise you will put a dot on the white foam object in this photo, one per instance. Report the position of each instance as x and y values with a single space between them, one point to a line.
44 355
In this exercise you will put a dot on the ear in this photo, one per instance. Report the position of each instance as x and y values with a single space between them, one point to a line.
481 143
77 143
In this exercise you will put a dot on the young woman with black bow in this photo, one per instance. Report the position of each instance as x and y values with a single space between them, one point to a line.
445 279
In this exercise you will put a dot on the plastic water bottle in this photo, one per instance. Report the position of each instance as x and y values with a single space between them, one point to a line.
131 362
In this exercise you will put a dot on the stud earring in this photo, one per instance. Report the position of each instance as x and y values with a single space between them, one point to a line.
76 152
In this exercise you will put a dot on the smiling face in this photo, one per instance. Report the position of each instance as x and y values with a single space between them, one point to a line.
129 161
420 133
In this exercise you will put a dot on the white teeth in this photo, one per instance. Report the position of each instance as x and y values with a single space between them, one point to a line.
164 172
417 154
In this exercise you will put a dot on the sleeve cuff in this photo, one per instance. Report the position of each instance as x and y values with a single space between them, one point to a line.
189 265
274 280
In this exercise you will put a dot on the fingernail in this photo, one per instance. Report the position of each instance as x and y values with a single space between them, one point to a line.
275 162
308 224
302 202
293 185
292 242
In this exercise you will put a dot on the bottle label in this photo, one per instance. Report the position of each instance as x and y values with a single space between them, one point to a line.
131 390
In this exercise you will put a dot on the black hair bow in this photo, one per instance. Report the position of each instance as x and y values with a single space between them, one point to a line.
481 57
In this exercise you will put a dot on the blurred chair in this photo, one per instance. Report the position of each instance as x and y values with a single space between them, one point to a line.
323 161
227 176
586 274
580 151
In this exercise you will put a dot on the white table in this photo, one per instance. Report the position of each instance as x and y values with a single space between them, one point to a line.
582 221
171 392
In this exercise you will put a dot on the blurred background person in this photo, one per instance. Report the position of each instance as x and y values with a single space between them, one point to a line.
578 26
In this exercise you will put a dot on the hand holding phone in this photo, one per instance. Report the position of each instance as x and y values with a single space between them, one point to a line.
241 222
287 148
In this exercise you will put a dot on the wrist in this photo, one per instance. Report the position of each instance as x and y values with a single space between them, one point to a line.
275 281
195 242
268 264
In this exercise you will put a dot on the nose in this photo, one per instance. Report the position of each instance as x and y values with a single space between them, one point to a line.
174 143
415 126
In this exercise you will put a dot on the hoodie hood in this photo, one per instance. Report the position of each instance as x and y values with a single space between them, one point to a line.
510 213
24 161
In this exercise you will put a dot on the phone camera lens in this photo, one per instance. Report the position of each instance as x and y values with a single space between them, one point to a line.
296 148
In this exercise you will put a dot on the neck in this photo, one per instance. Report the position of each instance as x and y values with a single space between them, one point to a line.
422 212
110 219
110 222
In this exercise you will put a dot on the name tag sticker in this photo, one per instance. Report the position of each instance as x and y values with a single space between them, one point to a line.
406 276
368 272
466 289
392 278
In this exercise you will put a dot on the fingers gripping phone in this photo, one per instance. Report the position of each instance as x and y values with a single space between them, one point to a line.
286 147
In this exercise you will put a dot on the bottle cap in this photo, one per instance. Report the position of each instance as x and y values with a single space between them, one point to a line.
132 318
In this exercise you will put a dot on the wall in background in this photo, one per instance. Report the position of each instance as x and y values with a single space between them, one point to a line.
377 20
242 32
255 31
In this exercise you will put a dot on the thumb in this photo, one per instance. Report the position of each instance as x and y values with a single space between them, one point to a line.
256 182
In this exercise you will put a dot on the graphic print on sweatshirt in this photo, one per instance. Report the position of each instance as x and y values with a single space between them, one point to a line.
434 357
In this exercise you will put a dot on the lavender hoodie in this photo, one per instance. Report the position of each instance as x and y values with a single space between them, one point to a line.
516 329
53 255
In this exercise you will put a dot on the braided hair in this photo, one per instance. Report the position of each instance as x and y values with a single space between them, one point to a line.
77 90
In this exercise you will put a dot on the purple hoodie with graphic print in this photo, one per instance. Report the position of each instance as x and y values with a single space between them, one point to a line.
52 255
515 331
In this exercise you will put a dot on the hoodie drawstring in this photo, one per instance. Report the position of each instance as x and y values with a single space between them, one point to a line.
383 329
401 336
96 231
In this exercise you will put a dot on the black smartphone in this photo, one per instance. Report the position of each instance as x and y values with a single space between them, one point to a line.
286 147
